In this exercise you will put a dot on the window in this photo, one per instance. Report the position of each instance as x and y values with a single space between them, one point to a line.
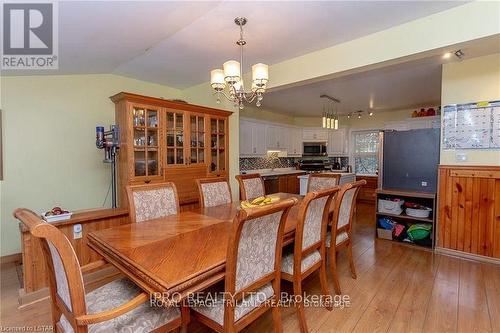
365 152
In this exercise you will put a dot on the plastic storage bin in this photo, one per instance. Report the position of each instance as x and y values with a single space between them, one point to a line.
390 207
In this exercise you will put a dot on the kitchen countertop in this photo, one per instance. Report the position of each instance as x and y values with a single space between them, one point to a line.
342 174
275 172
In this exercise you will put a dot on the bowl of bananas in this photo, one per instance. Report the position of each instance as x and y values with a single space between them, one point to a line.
259 202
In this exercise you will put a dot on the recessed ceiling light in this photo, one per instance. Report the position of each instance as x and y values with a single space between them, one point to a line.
447 55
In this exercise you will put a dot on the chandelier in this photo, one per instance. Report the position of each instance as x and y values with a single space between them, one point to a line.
231 76
330 117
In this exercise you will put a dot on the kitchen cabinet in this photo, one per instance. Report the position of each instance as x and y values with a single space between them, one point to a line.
367 193
283 183
277 137
314 134
295 142
162 140
252 139
337 142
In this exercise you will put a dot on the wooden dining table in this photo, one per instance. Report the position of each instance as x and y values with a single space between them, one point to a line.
174 256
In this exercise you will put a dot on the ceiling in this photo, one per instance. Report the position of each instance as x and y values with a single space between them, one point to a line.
403 86
178 43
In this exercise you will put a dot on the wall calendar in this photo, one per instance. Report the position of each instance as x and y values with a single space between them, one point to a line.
472 126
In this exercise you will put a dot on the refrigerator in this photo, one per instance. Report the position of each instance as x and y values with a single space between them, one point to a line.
409 159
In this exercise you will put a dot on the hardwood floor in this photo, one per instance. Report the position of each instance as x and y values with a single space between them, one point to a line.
398 289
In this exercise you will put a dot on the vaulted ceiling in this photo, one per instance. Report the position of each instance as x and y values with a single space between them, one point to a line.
178 43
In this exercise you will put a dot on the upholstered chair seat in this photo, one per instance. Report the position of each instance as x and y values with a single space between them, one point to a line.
307 262
341 228
322 181
251 186
214 192
142 319
215 308
118 306
252 276
309 246
152 201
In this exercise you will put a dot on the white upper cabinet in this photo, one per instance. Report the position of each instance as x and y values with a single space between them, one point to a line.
277 137
252 138
337 144
314 134
295 140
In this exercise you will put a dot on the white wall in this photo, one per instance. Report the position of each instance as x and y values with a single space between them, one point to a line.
467 81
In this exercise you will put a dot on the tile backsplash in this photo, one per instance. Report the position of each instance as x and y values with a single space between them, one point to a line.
274 162
268 162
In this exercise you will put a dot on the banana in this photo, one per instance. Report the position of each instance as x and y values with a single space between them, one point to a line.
258 200
274 199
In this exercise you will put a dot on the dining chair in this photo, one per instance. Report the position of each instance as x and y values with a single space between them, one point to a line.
309 254
114 307
252 280
320 181
152 201
214 192
340 234
251 186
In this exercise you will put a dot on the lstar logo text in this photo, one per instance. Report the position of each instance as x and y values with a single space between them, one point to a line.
29 36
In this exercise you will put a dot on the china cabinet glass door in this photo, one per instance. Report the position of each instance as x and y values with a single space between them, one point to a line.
197 139
175 138
217 144
145 127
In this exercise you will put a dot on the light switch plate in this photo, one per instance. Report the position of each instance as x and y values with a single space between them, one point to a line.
77 231
424 184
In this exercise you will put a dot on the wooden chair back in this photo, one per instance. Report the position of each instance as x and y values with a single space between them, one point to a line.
251 186
312 222
63 268
254 252
344 207
214 192
321 181
151 201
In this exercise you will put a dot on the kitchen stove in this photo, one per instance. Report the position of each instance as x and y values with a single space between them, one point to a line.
315 166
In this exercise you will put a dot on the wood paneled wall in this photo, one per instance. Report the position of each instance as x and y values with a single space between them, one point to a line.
34 276
469 209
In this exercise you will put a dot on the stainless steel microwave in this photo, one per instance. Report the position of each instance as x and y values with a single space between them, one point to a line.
314 149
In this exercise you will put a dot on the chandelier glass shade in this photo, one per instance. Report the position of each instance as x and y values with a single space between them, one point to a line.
231 77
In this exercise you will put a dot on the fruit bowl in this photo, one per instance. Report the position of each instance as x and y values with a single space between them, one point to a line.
56 214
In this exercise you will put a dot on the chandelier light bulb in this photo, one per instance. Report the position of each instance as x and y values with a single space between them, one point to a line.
324 121
217 79
336 124
232 71
260 73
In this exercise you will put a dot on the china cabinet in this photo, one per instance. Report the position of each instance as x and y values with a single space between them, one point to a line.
162 140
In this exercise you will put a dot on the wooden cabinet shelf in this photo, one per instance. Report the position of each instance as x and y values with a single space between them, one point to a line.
166 141
423 198
406 217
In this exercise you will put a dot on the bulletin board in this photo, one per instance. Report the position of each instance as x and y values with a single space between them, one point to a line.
471 126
